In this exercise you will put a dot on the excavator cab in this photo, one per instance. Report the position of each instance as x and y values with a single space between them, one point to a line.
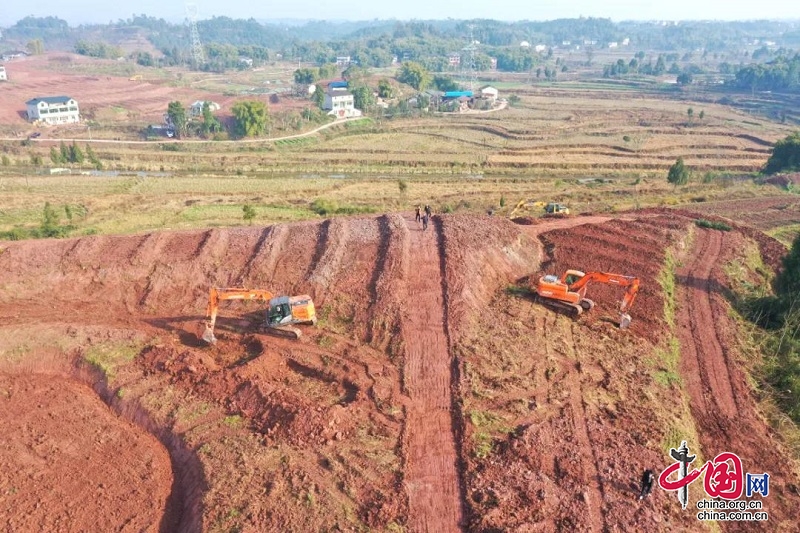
556 209
285 310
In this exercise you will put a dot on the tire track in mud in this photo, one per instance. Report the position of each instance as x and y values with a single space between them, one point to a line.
593 495
432 479
703 359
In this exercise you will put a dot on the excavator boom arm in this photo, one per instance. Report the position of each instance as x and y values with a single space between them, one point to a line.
631 282
232 293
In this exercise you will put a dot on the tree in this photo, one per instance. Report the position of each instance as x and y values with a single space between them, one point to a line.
305 76
678 173
785 155
363 97
690 113
65 154
318 96
248 213
177 117
384 89
49 220
210 122
414 74
685 78
251 118
55 155
75 154
701 115
445 83
90 155
35 47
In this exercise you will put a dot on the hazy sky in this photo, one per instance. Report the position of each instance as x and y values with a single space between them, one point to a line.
81 11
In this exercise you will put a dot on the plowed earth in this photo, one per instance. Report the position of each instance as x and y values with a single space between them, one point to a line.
761 213
427 398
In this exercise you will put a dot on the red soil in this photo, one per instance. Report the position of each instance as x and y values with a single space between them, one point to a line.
69 464
409 321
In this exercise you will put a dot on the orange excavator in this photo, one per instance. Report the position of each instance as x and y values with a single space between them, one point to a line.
569 292
283 311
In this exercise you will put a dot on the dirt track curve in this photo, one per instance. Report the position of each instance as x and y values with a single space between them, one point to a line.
707 374
721 400
431 474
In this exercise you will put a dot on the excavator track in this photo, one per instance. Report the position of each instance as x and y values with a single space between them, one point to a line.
283 331
571 310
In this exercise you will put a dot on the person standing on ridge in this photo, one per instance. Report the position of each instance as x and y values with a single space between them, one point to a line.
419 213
428 211
425 222
647 483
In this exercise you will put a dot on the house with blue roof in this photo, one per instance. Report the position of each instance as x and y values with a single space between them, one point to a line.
53 110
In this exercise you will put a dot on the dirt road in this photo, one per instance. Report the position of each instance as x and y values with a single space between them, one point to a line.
431 474
721 399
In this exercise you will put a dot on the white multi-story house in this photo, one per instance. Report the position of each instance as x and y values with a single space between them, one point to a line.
341 104
3 75
53 110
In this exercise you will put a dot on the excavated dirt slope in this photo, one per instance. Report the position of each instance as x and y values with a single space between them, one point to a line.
429 397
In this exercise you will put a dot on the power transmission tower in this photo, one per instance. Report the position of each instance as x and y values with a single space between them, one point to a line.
469 70
197 47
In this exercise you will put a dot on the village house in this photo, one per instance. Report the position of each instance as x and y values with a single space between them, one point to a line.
3 75
489 93
454 60
53 110
340 103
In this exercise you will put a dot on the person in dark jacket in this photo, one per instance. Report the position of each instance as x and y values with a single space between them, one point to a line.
428 210
647 483
425 221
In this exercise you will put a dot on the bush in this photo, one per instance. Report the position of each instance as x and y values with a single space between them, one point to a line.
703 223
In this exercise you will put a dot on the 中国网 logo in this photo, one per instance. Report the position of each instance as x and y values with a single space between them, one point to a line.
724 482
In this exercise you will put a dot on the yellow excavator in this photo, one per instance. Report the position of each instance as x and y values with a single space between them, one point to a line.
568 293
283 311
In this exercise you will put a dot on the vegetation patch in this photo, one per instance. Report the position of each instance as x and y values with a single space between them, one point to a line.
703 223
107 357
325 207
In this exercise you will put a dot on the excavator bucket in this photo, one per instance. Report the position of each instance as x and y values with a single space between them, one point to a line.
207 333
624 320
